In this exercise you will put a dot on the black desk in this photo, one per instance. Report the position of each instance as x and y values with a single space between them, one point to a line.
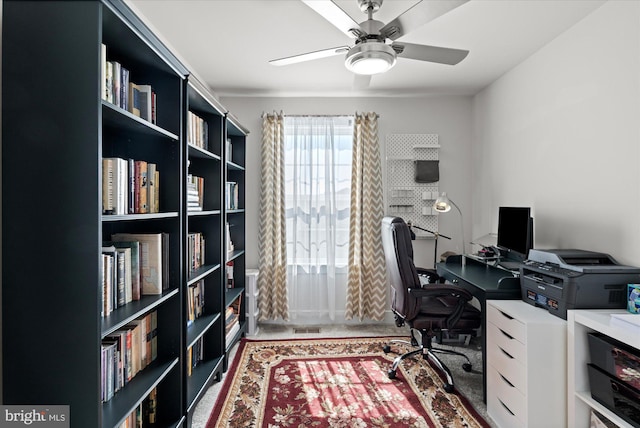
485 282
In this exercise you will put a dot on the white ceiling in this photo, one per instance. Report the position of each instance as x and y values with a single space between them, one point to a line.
228 43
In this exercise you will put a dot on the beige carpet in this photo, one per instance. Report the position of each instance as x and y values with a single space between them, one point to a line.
469 384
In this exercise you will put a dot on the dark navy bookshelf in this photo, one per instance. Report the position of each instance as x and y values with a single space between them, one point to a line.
56 128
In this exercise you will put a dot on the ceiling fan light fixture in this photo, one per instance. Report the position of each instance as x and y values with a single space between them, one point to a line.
370 58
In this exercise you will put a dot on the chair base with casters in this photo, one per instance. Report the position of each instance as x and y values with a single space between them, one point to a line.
428 353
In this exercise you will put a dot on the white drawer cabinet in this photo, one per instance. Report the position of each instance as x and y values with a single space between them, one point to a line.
526 365
251 293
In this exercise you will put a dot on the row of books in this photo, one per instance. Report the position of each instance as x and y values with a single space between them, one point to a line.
231 196
133 265
195 250
145 414
197 131
232 319
195 301
195 193
126 352
130 186
118 89
195 355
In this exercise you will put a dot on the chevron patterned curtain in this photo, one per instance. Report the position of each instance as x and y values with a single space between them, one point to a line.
367 286
272 250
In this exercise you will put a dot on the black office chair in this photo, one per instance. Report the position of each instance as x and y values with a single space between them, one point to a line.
431 308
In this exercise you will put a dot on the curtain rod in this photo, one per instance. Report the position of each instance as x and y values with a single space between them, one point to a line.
320 115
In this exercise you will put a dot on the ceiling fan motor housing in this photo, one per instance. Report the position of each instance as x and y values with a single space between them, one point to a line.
370 57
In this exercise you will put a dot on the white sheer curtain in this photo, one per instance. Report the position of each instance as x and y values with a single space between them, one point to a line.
317 199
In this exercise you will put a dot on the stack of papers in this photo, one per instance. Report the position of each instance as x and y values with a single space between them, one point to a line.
626 320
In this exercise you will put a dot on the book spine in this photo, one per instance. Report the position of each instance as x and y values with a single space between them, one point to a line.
103 71
121 279
116 82
124 88
151 188
131 190
143 188
107 186
156 193
109 83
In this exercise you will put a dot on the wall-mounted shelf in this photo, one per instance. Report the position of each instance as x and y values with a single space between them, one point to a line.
404 196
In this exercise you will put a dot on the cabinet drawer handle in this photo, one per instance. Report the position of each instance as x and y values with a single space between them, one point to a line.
507 381
505 333
506 315
506 353
505 406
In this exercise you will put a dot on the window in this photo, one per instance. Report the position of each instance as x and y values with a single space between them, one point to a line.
318 153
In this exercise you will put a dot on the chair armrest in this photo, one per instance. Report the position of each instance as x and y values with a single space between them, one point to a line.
461 296
431 274
425 271
441 290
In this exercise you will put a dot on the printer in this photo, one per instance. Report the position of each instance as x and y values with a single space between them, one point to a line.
558 280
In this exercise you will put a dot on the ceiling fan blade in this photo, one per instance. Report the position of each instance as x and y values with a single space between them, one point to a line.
336 16
429 53
361 81
418 15
310 56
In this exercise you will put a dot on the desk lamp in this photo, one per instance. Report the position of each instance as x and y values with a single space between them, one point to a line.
442 205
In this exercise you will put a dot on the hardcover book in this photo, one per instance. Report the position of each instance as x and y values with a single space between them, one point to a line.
146 102
134 247
151 259
134 99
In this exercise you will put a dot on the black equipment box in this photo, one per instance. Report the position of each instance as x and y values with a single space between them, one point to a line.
558 280
617 359
615 395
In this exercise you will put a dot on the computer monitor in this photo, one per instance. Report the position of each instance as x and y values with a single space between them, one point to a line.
515 231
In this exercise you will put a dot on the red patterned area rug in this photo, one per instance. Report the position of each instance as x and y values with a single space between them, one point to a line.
334 383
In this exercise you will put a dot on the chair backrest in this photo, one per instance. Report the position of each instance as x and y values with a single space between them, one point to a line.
401 272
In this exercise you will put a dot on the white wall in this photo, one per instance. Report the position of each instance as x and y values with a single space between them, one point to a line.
561 133
450 117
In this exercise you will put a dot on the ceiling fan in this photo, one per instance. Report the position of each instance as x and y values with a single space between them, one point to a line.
376 49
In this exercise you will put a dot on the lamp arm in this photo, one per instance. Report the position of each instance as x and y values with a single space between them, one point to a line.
431 232
461 224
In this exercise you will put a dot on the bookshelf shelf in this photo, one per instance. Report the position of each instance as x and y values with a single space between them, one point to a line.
197 152
199 327
204 213
116 117
78 125
201 273
122 316
234 166
235 254
232 295
137 217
